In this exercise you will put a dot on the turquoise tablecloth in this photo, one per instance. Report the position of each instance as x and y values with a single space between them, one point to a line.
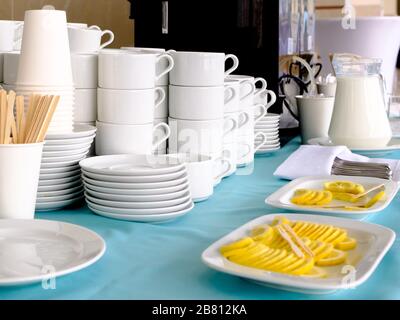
150 261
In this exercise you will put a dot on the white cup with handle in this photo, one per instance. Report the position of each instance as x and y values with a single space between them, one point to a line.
247 147
123 69
242 91
10 35
129 106
254 115
201 69
248 99
199 103
267 98
85 70
88 40
127 139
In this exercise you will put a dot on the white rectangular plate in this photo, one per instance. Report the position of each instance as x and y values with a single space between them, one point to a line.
281 198
373 241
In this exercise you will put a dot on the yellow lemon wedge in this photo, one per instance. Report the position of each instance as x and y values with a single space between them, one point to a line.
347 244
304 268
261 232
378 197
316 272
242 243
344 196
344 187
335 258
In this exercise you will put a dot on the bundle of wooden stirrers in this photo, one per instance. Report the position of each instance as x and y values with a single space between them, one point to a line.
18 127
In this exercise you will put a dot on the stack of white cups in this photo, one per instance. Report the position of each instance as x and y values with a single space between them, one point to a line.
128 96
161 105
197 98
45 64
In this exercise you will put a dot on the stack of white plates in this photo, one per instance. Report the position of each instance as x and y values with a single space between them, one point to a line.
269 125
138 188
60 183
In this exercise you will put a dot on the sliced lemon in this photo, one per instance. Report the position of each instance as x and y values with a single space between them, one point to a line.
344 187
335 258
237 244
304 268
347 244
261 232
346 197
378 197
324 252
264 263
316 272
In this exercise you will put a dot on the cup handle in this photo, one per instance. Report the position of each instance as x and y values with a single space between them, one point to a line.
263 88
111 40
170 64
273 99
165 137
252 89
94 27
264 141
234 126
246 120
262 114
224 172
235 63
246 154
160 97
231 96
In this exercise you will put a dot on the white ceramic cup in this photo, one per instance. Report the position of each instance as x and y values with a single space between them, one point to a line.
19 171
162 112
85 107
10 69
201 173
315 115
248 97
199 103
158 135
198 136
128 139
243 90
129 106
123 69
88 40
85 70
255 114
200 69
45 56
230 151
247 147
267 98
164 80
10 37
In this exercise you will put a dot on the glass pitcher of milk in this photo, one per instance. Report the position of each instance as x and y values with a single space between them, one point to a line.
359 117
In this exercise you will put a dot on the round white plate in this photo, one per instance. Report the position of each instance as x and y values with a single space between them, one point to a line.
132 165
54 145
270 122
268 151
57 205
149 185
49 165
49 154
140 205
28 246
136 179
60 169
272 147
62 175
114 210
59 187
137 198
75 157
60 192
137 192
74 195
43 183
269 142
79 131
144 218
394 144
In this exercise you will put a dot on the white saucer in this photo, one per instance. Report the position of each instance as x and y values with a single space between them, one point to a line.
144 218
51 165
47 199
62 175
140 205
270 147
60 187
57 205
394 144
79 131
68 248
66 169
125 211
65 153
138 192
54 145
267 151
75 157
138 198
60 192
132 165
136 179
148 185
43 183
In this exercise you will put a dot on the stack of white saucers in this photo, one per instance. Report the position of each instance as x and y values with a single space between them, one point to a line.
269 125
60 183
139 188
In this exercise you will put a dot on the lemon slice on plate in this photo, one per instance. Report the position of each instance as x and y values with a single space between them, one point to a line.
347 244
316 272
336 257
344 187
